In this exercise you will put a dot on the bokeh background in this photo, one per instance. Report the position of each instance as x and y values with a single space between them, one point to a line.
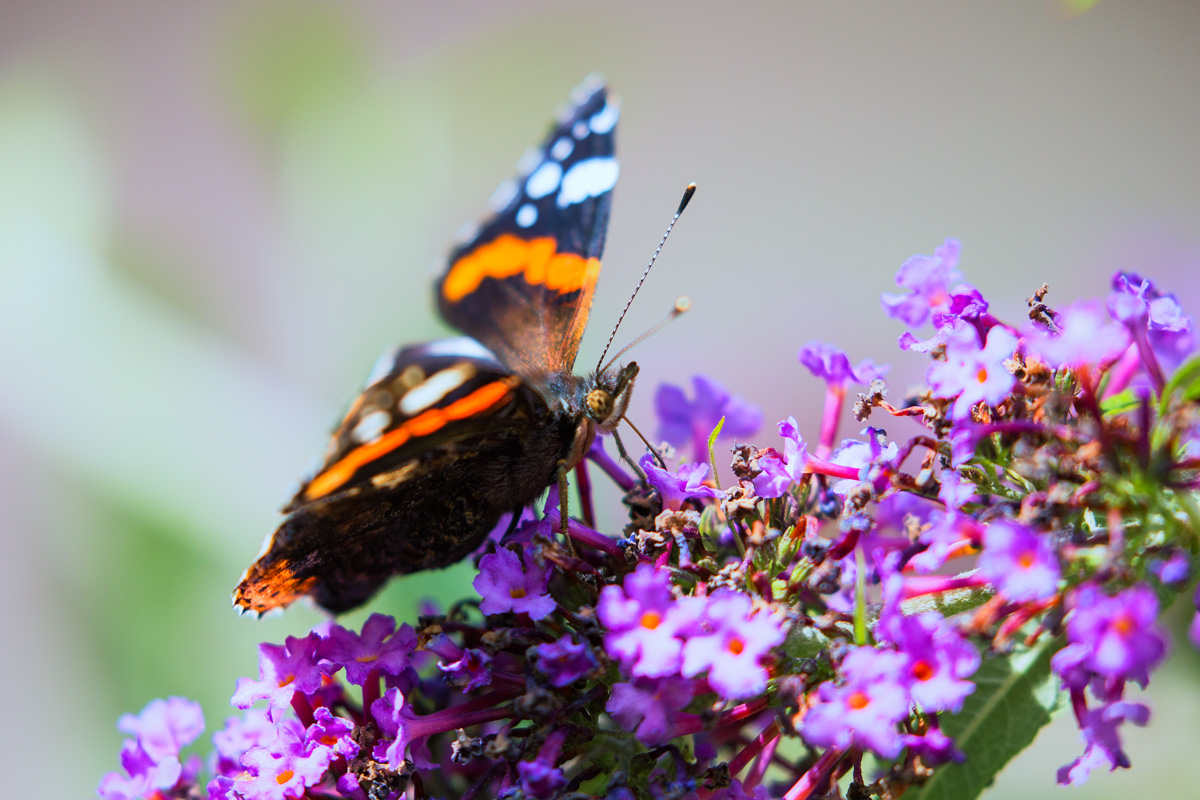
214 215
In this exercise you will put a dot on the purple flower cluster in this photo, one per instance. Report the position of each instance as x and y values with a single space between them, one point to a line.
843 591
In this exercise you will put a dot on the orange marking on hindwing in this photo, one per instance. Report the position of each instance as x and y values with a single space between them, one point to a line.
425 423
508 255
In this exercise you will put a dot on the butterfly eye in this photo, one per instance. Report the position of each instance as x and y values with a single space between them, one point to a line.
599 404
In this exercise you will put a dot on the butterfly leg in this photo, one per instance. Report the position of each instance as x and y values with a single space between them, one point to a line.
625 456
563 503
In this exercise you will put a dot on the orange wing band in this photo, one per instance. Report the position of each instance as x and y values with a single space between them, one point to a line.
425 423
508 255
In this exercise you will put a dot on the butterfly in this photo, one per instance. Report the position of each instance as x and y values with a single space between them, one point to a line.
450 435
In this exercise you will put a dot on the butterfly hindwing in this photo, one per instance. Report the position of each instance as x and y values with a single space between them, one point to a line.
523 284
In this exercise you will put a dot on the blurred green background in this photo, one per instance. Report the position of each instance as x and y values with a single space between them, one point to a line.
214 215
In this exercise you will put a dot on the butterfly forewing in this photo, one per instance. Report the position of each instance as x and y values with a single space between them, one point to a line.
523 285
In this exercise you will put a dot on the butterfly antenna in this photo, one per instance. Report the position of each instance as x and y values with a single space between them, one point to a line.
681 305
687 196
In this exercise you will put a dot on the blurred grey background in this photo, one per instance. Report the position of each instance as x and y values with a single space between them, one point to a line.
214 215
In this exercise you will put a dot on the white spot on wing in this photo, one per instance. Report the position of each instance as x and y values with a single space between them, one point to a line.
562 148
504 194
527 215
465 233
371 427
604 119
435 387
591 177
544 180
581 130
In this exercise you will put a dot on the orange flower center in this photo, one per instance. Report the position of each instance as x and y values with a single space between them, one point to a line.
922 670
367 659
284 777
858 701
286 681
517 593
981 376
1124 625
736 646
328 741
651 620
1026 560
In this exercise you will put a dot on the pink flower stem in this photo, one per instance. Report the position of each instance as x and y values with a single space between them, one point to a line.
583 534
918 585
303 708
823 467
1122 372
756 749
816 777
1149 360
693 723
370 692
835 395
585 494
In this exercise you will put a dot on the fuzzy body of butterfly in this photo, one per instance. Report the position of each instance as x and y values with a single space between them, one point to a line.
448 436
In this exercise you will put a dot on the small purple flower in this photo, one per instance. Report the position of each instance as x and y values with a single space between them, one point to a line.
1142 307
564 661
945 535
396 718
283 670
164 727
934 747
641 627
646 706
729 643
1020 563
333 733
504 585
472 670
1194 628
956 492
927 279
381 646
682 420
974 375
1103 745
285 768
938 660
688 481
1087 337
540 778
779 472
240 734
833 366
1114 637
865 708
864 456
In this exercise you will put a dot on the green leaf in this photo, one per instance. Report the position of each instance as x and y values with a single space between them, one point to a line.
712 450
1185 381
1015 696
1120 403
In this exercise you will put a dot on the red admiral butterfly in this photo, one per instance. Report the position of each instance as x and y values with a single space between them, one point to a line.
450 435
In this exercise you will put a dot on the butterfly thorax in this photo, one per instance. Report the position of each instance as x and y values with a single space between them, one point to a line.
592 402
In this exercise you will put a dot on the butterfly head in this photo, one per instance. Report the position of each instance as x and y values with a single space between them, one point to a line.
606 403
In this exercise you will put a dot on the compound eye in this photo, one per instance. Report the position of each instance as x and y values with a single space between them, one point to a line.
599 404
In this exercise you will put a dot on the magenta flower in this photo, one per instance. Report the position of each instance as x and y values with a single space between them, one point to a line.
1144 309
283 670
945 535
284 768
779 472
682 420
541 778
938 660
396 718
381 646
1103 745
864 709
934 747
927 279
1020 563
974 375
641 623
1087 337
564 661
151 760
471 670
647 706
868 457
729 643
1194 627
688 481
333 733
833 366
1113 637
240 734
504 585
